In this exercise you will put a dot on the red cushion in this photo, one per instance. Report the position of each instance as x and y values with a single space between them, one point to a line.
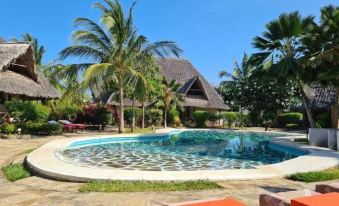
329 199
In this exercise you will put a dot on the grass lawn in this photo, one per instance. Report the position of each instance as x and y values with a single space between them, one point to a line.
146 186
330 174
15 172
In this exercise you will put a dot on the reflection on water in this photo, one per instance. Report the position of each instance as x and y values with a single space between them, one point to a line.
189 150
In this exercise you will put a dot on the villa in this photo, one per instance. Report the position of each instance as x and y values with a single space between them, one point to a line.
198 92
19 77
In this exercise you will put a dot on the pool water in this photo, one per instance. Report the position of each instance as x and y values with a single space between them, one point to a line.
187 150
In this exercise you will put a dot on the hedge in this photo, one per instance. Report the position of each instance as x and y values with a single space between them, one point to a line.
200 118
230 117
289 118
154 116
41 128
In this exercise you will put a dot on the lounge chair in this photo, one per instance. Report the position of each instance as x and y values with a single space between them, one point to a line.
326 188
283 198
210 202
70 127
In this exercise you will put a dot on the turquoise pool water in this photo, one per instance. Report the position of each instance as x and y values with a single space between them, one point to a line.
187 150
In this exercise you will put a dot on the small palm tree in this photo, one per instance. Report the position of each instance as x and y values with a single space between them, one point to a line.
282 49
169 97
114 46
240 71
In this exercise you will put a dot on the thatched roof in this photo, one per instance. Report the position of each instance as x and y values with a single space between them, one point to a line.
321 97
185 74
18 75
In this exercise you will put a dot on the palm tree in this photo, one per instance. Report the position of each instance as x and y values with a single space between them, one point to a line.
322 44
240 71
114 46
282 49
39 51
169 97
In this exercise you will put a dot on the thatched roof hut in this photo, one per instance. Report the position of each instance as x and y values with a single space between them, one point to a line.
18 75
197 91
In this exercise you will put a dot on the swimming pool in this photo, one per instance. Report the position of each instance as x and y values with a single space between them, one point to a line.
181 151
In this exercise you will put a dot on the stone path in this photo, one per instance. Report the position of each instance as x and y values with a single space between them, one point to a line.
38 191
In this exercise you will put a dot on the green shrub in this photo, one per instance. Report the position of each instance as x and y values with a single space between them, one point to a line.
154 116
291 126
174 117
41 128
28 110
230 118
323 120
9 129
243 120
289 118
200 118
128 114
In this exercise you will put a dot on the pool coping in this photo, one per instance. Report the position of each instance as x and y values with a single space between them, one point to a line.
44 162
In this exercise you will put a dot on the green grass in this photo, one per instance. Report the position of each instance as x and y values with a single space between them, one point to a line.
146 186
15 172
330 174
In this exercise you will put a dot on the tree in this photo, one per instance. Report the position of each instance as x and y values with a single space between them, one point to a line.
114 46
281 46
322 45
169 97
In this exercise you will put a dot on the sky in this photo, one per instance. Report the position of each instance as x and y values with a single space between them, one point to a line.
212 34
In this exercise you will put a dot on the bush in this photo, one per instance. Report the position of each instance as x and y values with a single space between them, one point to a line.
28 111
9 129
200 118
95 115
174 117
41 128
230 117
323 120
154 116
289 118
243 120
69 112
128 114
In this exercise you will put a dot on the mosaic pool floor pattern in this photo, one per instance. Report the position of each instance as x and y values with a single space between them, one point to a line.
188 150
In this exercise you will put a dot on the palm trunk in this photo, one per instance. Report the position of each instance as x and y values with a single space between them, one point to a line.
143 115
133 115
306 106
121 111
165 117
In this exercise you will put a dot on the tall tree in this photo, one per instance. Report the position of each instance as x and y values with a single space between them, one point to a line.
114 46
322 57
282 49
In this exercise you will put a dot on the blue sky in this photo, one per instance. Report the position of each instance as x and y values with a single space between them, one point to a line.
212 33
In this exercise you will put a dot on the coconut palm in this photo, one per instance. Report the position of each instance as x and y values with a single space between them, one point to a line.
113 47
240 71
169 97
281 52
322 44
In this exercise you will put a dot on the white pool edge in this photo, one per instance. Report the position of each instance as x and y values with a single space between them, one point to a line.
44 162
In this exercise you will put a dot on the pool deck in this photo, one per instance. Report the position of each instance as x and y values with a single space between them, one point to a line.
46 163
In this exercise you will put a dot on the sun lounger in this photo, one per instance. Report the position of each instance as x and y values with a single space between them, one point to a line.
283 198
326 188
210 202
70 127
328 199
